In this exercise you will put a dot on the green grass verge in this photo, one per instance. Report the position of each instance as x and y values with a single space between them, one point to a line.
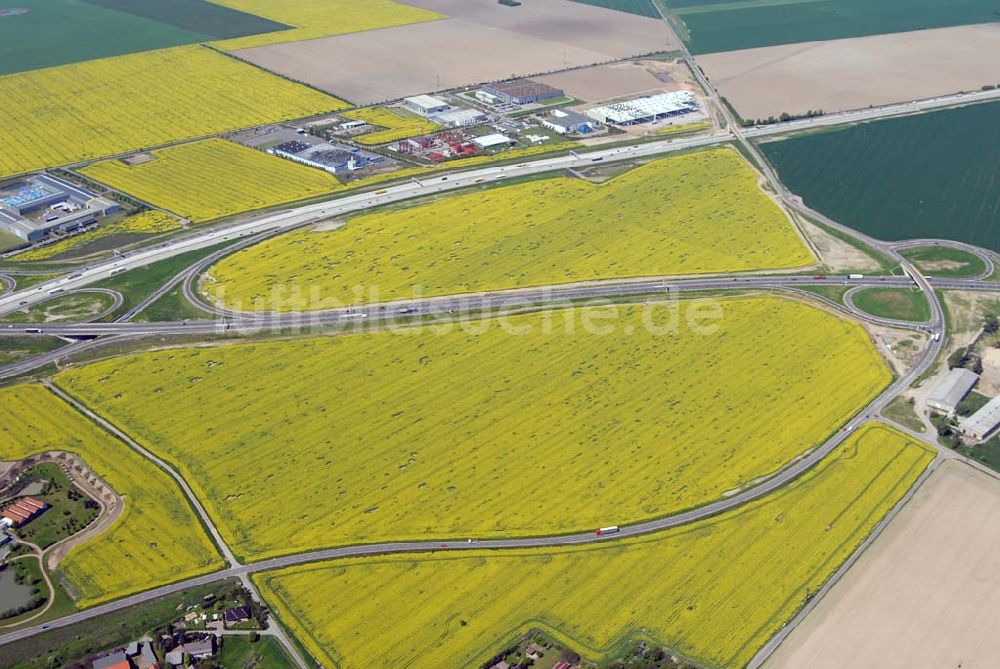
15 348
972 403
71 307
903 411
240 652
944 261
136 284
901 304
832 292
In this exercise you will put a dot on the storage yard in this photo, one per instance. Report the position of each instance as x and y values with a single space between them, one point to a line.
494 42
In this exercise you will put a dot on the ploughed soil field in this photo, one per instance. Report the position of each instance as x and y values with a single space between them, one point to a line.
925 595
856 72
481 41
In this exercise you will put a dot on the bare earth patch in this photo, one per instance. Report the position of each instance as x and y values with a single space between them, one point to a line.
857 72
618 80
481 41
835 254
925 595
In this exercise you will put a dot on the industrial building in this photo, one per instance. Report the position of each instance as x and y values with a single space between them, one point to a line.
22 511
493 141
459 118
951 390
40 205
646 109
425 105
522 91
567 122
982 423
326 156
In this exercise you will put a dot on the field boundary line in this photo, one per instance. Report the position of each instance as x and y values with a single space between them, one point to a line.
775 642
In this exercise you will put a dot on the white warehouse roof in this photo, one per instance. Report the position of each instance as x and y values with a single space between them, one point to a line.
640 108
459 117
984 421
952 389
496 139
425 102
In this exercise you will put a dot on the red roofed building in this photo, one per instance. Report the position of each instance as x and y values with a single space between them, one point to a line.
32 502
24 510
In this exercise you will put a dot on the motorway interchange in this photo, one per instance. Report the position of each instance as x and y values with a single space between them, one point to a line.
94 335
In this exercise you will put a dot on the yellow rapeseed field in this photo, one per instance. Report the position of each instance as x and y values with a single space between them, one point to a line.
157 539
213 178
481 431
397 126
695 213
714 591
96 108
145 223
320 18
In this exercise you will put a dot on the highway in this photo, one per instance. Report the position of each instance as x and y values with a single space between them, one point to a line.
288 219
274 223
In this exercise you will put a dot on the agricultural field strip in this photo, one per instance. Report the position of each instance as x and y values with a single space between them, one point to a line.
392 548
356 202
654 220
116 388
715 590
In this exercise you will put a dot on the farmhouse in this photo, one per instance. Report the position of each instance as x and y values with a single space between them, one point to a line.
39 205
426 105
117 660
982 423
236 615
952 389
522 91
646 109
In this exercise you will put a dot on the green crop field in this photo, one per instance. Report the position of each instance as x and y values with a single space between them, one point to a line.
945 261
531 425
57 32
714 590
903 304
640 7
726 25
933 175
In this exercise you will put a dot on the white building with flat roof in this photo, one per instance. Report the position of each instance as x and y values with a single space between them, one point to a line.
647 109
952 389
425 105
982 423
459 118
494 140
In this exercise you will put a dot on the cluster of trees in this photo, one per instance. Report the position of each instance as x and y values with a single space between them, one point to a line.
36 599
784 117
643 655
